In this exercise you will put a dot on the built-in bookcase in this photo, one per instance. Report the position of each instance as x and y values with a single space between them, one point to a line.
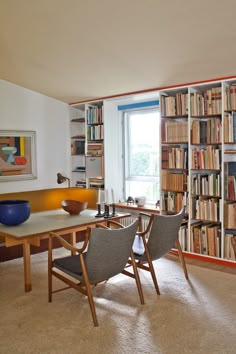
78 147
198 164
205 212
197 159
87 137
175 154
229 158
94 146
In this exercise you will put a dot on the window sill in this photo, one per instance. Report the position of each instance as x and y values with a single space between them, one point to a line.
147 208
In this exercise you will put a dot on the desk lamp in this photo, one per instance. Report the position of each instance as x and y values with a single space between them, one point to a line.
62 179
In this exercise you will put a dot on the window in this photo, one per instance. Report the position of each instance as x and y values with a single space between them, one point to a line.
142 151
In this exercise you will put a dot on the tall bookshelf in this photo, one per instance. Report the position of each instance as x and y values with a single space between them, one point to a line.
198 165
87 148
205 174
95 145
229 154
78 146
174 154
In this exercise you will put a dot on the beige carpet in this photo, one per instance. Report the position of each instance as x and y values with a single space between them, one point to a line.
194 317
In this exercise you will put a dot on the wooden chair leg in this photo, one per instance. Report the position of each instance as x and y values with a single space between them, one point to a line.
91 303
152 271
151 268
50 270
89 291
137 278
181 257
233 242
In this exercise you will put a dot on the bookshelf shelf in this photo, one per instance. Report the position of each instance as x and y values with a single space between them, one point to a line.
176 117
173 190
175 169
88 124
205 169
205 144
207 221
206 116
205 196
78 120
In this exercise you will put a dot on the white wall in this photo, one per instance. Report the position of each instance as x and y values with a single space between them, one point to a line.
23 109
113 151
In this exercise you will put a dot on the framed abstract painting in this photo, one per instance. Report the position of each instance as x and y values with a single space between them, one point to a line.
17 155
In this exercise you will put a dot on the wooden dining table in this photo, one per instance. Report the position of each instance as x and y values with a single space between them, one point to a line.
40 224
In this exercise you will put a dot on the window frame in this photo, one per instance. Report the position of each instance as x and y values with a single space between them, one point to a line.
127 177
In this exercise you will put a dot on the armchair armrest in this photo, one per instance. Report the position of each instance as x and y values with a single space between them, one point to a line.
101 226
67 245
145 214
115 223
141 232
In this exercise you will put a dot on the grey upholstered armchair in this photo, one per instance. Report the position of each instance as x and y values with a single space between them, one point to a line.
162 231
105 253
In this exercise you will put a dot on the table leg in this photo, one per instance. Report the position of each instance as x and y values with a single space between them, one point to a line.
73 241
27 266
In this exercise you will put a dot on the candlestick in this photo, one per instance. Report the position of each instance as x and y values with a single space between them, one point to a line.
99 213
106 213
113 210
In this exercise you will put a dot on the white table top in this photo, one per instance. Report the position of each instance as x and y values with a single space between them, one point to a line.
46 221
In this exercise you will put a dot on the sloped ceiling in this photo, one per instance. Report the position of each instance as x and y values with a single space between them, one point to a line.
75 50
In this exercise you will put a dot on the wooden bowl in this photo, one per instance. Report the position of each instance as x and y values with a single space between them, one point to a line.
73 207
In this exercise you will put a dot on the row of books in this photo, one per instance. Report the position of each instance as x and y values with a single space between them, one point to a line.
77 147
206 158
173 202
174 131
231 188
173 181
230 97
95 132
205 239
80 183
95 149
206 184
174 157
228 247
230 215
174 105
183 237
94 115
96 182
206 208
79 169
207 102
206 131
230 180
230 127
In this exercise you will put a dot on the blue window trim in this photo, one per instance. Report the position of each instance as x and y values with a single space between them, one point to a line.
138 105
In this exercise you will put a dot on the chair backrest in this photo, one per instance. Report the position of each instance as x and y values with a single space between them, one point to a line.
163 234
108 251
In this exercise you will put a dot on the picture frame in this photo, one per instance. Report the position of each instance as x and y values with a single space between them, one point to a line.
17 155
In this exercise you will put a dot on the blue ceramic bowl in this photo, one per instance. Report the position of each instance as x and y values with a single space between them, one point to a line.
14 212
